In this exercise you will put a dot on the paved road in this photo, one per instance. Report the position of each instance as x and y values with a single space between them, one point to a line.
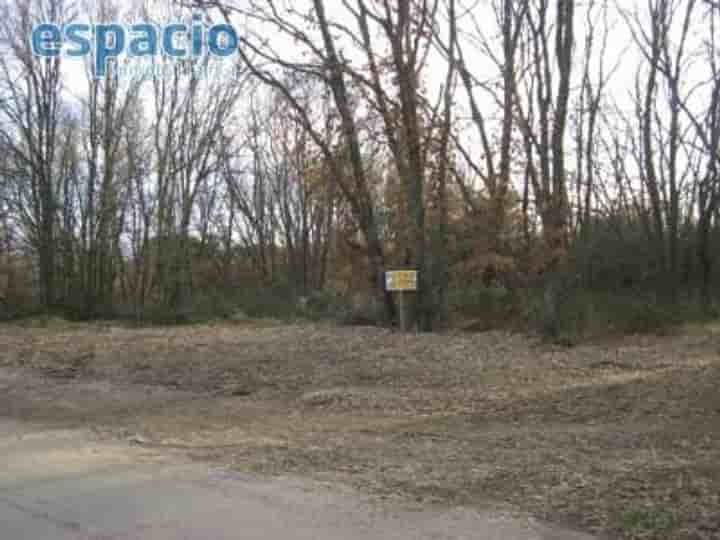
63 485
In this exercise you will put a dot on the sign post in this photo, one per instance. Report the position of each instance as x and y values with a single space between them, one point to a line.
401 282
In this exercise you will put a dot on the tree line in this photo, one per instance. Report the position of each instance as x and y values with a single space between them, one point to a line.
528 157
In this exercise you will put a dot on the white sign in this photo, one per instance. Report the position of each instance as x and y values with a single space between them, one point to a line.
403 280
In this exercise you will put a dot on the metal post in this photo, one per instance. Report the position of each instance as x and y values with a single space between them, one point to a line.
403 321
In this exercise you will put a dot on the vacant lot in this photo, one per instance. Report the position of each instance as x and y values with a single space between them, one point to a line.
619 439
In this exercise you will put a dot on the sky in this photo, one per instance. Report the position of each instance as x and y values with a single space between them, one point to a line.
622 58
479 19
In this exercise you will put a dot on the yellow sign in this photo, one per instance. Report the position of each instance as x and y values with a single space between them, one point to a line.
404 280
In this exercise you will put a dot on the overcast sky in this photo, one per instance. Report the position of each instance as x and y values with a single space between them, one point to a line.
621 54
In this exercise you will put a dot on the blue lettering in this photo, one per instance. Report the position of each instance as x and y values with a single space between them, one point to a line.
197 35
104 42
109 43
74 34
145 44
168 46
46 40
231 44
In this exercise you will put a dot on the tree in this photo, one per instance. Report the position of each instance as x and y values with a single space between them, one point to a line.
543 120
31 110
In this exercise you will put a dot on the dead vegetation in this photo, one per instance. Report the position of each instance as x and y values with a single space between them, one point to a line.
620 439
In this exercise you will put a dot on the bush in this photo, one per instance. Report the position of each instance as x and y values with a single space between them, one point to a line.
319 305
276 301
483 308
588 315
582 314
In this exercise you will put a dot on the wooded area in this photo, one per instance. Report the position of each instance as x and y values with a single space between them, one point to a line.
547 163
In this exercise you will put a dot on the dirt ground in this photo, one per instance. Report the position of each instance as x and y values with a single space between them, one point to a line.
619 439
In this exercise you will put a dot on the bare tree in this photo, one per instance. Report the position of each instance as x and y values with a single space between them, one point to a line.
664 171
543 120
192 109
31 109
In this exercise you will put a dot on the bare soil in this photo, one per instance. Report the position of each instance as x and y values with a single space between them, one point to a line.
618 439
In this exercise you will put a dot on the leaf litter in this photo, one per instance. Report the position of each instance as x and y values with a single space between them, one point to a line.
619 438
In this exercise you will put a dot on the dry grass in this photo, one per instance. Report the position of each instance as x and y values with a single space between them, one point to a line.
621 439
